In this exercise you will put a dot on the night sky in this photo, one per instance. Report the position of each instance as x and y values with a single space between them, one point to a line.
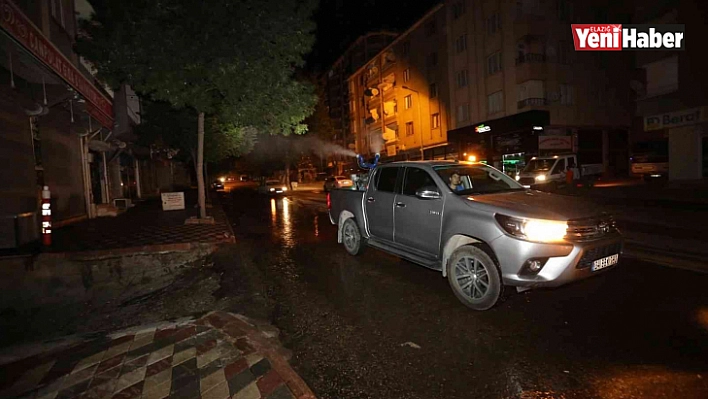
340 22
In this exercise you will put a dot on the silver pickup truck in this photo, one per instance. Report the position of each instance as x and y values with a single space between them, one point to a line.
479 227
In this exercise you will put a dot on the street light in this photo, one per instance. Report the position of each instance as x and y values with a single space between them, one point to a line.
420 120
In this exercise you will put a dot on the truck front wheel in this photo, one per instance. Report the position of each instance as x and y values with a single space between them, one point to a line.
351 237
474 278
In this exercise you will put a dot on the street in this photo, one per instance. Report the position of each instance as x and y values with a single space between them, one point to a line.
375 326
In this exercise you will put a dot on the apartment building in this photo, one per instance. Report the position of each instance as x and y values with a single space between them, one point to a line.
336 80
399 99
671 98
518 89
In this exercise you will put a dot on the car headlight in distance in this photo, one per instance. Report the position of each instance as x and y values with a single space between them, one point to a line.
272 189
285 189
518 177
536 230
541 177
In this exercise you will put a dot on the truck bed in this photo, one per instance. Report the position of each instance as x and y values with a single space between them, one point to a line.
346 200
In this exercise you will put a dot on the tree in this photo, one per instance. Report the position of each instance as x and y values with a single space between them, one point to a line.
174 128
232 59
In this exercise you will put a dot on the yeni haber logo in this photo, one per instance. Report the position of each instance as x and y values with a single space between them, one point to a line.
618 37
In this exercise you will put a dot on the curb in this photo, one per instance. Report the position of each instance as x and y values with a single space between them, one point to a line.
690 261
141 250
263 339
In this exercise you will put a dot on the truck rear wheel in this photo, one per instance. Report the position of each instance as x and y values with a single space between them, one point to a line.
474 278
351 237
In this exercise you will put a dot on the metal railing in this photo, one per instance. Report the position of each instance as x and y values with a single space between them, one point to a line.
531 58
532 102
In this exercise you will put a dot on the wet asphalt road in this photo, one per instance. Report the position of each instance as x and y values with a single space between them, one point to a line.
375 326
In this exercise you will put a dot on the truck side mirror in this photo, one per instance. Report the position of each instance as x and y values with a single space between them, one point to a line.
428 193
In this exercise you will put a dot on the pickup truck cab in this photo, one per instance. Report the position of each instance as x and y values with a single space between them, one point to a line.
477 226
550 170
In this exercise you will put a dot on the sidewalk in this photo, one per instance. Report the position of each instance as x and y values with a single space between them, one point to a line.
143 227
219 356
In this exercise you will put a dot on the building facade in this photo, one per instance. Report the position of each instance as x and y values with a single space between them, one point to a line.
518 88
671 124
61 127
335 81
399 99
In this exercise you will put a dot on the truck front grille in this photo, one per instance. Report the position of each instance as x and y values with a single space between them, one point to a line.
594 254
591 228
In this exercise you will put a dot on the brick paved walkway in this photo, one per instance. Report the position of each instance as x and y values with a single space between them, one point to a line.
144 225
219 356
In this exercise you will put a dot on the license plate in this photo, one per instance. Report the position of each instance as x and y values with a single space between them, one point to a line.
605 262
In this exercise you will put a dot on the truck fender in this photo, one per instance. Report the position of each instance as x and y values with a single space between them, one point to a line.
452 244
343 217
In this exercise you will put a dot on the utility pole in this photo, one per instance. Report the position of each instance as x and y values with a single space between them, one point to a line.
420 120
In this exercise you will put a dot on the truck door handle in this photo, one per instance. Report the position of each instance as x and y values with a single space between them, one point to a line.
370 199
400 204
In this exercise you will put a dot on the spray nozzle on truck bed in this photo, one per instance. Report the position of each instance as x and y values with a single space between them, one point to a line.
368 165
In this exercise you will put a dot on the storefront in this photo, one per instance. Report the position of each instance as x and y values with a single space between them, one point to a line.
682 137
50 113
506 143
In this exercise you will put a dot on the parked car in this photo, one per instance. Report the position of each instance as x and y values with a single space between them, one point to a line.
272 187
480 228
217 185
333 182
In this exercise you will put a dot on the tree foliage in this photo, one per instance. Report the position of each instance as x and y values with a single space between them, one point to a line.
231 58
163 124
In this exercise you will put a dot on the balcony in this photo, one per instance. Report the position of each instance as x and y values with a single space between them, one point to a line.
532 102
528 58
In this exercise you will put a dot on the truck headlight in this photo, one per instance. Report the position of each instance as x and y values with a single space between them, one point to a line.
536 230
541 177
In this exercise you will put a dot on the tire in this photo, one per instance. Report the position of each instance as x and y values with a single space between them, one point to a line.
471 290
351 237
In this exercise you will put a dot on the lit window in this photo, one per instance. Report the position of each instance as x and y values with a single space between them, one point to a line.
407 75
435 121
408 101
409 129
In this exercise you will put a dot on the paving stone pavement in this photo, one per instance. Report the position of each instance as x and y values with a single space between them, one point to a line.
219 356
144 225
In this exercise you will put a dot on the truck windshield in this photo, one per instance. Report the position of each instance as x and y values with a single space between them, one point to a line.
476 179
539 165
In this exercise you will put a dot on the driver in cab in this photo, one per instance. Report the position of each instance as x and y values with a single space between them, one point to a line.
456 182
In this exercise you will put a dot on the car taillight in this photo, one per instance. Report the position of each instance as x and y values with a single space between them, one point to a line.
329 202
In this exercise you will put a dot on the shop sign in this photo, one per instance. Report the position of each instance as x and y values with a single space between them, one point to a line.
482 129
555 142
676 119
14 22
